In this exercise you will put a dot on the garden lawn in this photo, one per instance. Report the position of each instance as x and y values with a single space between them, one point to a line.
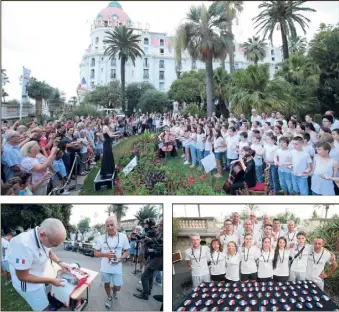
121 149
11 300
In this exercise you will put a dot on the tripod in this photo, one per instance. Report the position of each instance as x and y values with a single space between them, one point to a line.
137 257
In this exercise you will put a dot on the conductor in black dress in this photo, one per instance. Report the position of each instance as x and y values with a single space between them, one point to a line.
107 164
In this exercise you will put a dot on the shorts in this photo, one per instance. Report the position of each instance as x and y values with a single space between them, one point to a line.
218 155
280 278
5 266
115 279
264 279
297 276
197 280
218 278
36 299
249 277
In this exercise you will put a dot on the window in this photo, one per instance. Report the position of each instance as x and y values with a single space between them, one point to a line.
146 62
161 42
105 23
146 49
161 86
102 70
102 59
194 65
113 62
92 84
93 62
162 51
96 40
272 52
273 58
276 67
161 64
113 73
161 75
146 74
92 73
145 41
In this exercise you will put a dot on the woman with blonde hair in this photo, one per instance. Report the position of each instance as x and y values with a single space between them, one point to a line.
233 259
265 261
37 164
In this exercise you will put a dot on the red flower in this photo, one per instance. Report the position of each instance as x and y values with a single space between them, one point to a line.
203 177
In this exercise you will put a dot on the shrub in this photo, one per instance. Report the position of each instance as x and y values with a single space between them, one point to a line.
85 110
154 101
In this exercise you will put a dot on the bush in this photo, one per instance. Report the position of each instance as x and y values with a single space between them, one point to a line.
154 101
85 110
134 91
193 109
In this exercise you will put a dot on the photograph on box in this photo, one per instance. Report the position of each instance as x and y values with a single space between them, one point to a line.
81 256
255 257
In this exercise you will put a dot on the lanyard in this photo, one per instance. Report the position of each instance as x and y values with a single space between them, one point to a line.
217 258
248 253
319 257
288 236
301 254
194 255
268 258
281 261
41 246
115 246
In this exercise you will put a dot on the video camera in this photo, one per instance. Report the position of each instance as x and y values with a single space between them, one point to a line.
149 231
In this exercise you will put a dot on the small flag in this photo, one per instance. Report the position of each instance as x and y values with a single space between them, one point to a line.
21 261
83 81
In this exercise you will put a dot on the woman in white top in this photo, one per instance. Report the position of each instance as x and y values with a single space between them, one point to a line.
265 263
281 269
201 139
219 150
218 261
249 256
186 144
208 142
233 259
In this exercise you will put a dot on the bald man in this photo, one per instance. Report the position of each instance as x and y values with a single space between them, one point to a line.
112 248
28 255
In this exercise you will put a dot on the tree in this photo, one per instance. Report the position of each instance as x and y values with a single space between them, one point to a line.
133 93
31 215
154 101
109 210
38 90
297 45
287 216
83 224
200 36
146 212
73 100
324 207
4 94
283 15
4 80
122 42
120 211
231 10
254 49
221 85
108 96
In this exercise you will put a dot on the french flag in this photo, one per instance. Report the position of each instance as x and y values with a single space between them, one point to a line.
83 82
20 261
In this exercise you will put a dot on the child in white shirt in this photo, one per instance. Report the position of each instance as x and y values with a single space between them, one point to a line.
258 148
269 152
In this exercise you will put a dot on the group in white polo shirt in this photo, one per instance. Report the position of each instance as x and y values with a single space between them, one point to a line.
4 257
258 252
28 255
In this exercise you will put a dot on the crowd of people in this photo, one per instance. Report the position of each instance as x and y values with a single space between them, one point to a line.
301 156
259 251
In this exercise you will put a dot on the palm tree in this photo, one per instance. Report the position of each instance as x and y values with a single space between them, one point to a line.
200 36
119 210
323 207
122 42
146 212
254 49
249 208
282 15
287 216
109 210
4 94
221 85
231 9
297 45
4 76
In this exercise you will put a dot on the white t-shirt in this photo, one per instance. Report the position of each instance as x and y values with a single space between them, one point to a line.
258 148
232 267
199 258
300 160
25 252
200 144
282 266
300 263
105 243
249 256
269 152
217 145
265 264
316 263
193 139
208 144
284 156
291 239
308 148
225 239
232 143
4 248
218 263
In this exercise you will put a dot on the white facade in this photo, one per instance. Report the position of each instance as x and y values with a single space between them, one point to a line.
157 66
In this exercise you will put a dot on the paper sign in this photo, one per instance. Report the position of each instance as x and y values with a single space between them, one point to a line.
130 166
209 163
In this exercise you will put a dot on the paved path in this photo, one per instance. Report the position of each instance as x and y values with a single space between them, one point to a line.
97 295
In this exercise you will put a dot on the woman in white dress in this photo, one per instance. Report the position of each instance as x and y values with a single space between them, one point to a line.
281 269
218 258
265 261
233 259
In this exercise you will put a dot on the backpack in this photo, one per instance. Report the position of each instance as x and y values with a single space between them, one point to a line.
74 279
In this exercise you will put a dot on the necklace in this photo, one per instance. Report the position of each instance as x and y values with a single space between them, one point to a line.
281 261
248 252
288 236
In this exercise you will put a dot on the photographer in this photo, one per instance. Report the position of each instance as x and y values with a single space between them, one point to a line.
154 254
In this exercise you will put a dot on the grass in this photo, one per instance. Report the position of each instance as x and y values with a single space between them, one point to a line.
119 150
11 300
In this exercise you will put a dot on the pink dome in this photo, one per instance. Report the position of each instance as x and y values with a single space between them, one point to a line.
114 13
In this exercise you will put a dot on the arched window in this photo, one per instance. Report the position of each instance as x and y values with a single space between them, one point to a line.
161 42
93 62
146 41
92 73
161 64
